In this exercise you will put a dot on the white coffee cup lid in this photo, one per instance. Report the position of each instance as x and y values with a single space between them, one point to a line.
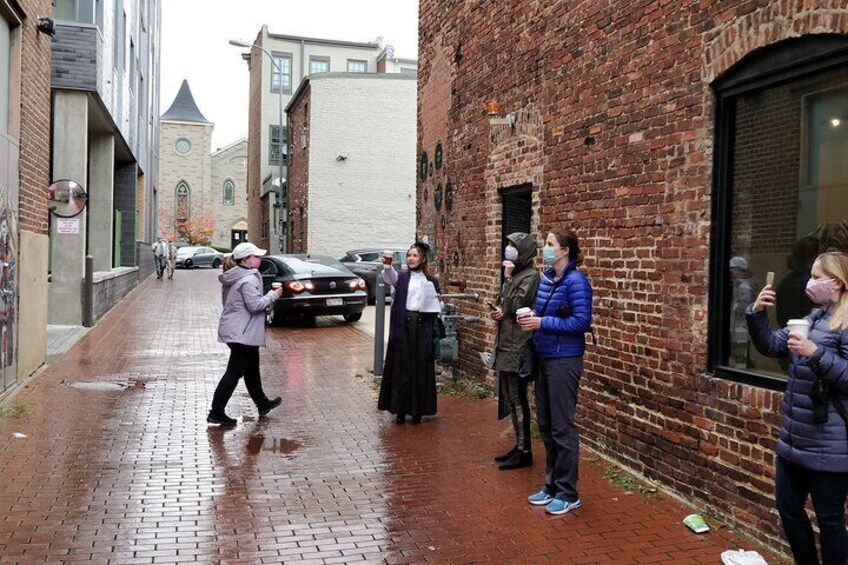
798 322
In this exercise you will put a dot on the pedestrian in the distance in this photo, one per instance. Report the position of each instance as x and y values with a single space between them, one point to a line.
562 316
242 328
172 259
408 387
812 448
160 256
513 357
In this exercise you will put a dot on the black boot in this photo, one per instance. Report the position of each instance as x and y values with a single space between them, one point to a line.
506 456
415 420
221 419
268 406
517 461
401 419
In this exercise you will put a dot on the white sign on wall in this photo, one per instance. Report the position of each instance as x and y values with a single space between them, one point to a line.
68 225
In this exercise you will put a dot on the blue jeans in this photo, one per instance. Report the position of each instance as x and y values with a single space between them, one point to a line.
556 403
159 260
793 484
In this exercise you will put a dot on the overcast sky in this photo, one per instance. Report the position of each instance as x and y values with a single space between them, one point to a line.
195 35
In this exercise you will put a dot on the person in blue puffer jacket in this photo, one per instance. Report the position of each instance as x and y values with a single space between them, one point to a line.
561 318
812 448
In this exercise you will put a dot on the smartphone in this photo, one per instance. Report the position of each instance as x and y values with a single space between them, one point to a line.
769 278
491 306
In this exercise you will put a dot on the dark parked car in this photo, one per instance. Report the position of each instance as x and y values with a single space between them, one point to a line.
368 263
188 257
313 285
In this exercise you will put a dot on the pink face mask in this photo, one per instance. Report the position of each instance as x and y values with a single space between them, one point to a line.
820 291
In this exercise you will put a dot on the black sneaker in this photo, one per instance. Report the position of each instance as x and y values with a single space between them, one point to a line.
270 406
221 419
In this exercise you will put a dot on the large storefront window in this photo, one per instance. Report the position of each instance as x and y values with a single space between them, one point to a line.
781 188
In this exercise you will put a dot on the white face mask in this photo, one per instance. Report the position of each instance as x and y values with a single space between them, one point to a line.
511 253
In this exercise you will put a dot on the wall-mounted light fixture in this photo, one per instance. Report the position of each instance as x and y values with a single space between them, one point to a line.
47 26
493 110
341 157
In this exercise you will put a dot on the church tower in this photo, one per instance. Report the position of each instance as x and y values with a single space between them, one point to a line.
185 164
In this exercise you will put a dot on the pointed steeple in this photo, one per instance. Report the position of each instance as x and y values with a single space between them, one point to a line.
184 108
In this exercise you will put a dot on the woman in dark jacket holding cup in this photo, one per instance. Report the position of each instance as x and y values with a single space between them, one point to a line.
512 359
562 316
812 448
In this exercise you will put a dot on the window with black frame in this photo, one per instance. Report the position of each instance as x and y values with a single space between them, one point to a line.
781 190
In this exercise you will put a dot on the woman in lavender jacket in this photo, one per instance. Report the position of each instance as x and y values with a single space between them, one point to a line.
812 449
242 328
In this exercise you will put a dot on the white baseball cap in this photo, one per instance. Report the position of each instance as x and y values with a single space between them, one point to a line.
739 263
247 249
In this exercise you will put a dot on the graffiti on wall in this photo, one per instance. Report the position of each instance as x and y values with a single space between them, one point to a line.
8 278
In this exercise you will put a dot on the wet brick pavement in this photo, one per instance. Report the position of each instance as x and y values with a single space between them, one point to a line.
134 475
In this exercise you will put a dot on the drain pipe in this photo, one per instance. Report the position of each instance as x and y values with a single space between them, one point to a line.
88 293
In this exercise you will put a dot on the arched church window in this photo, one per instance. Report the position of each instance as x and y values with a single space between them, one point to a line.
182 199
229 193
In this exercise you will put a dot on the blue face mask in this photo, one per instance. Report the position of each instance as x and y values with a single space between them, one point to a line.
548 256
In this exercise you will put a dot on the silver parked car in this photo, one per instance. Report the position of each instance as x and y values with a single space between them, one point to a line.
188 257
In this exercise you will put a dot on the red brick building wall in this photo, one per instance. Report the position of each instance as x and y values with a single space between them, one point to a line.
35 119
615 132
298 175
257 211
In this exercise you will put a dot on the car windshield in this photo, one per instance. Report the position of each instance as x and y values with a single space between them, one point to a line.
317 265
186 250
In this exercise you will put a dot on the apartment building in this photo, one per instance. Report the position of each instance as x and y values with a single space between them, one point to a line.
105 81
272 84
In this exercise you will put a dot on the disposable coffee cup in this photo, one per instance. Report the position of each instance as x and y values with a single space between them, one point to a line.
276 286
523 312
387 257
799 327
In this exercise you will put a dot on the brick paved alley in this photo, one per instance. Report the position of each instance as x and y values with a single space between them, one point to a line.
134 475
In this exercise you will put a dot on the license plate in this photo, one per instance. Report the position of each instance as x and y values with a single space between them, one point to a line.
335 302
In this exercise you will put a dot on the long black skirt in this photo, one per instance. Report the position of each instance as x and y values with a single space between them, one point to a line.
409 374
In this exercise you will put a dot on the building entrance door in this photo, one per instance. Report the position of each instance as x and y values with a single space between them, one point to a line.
238 233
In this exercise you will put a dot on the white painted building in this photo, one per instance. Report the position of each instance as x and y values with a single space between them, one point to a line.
352 163
295 58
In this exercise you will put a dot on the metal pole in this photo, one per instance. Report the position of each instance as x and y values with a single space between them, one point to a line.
88 293
283 209
379 323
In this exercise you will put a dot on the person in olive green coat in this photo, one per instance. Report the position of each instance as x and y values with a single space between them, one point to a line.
513 358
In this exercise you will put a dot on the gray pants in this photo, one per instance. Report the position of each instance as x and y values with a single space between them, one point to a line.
556 403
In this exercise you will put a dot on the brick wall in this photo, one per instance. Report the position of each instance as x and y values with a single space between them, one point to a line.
126 180
35 119
75 57
298 173
615 133
255 215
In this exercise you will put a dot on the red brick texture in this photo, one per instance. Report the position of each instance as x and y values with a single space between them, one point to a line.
298 175
35 118
257 215
614 115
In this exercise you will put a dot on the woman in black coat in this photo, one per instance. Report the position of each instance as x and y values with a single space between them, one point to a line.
408 386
